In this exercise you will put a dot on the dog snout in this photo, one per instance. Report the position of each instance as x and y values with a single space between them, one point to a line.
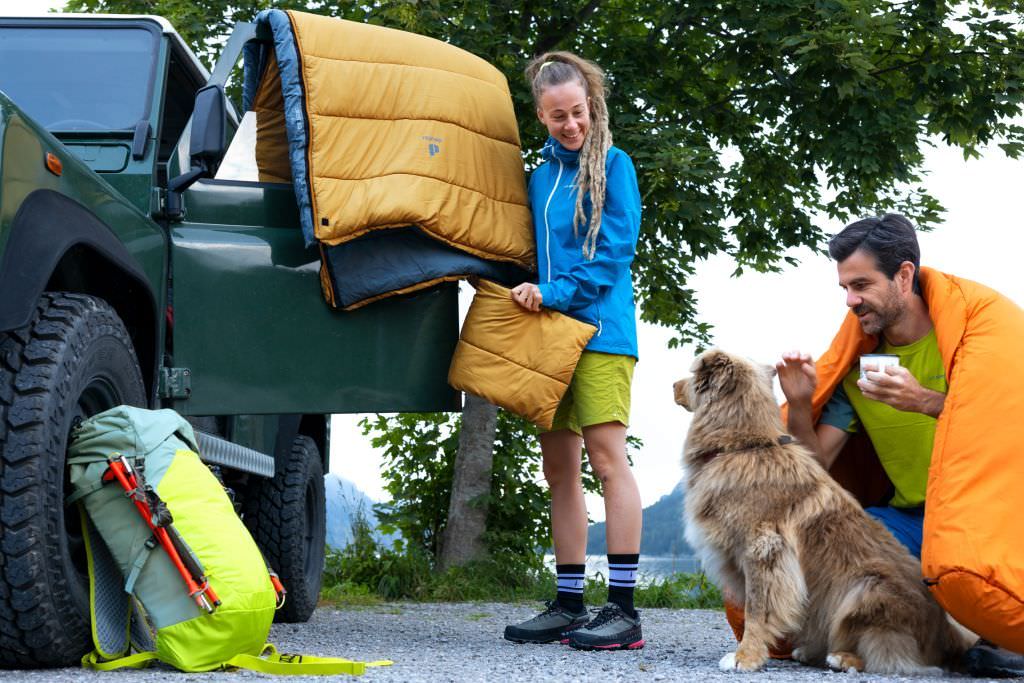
681 390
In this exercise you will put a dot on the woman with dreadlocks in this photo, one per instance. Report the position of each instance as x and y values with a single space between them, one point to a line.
586 215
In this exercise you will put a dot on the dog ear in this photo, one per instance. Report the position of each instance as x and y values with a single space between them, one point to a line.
716 373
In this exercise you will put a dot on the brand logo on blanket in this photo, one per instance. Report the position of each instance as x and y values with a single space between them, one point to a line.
433 145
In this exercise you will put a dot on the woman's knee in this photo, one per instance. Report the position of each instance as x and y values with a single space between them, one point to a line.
562 457
561 472
607 464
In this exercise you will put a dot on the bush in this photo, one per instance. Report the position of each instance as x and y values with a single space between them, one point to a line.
366 567
366 572
680 591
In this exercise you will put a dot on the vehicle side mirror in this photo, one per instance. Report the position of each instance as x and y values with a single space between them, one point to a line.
207 143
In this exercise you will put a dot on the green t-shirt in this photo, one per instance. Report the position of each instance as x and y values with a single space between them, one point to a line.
902 440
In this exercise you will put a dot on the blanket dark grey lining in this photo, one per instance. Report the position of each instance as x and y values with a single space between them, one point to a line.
391 260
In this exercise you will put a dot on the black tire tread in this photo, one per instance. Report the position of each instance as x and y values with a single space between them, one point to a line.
40 624
274 512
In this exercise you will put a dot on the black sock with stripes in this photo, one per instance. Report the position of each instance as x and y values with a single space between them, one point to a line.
570 586
622 580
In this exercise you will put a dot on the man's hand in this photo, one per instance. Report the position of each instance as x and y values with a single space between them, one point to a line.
528 296
898 388
797 377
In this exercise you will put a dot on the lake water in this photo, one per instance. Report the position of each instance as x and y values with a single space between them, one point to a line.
652 567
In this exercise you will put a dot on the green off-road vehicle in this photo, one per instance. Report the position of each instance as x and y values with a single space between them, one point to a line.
136 268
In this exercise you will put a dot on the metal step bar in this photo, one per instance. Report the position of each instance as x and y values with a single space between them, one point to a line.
217 451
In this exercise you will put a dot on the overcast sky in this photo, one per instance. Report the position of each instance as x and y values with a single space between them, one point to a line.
761 316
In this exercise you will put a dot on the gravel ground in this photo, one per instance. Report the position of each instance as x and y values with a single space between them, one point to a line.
462 642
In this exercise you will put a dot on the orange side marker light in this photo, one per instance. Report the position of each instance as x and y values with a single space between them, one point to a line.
53 164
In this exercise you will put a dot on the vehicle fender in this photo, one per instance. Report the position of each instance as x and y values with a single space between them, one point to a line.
56 243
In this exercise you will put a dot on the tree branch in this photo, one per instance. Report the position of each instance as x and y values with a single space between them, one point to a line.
546 43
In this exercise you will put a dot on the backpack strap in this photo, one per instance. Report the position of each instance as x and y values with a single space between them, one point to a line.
141 633
83 491
85 459
138 562
140 660
109 607
270 662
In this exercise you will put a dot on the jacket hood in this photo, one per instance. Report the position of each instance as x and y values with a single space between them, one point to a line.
553 149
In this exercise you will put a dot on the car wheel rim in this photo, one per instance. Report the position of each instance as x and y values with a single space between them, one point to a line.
99 394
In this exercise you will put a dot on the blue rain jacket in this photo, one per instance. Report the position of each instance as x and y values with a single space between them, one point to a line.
599 291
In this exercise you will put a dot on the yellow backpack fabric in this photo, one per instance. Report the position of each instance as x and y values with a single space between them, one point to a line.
157 450
514 358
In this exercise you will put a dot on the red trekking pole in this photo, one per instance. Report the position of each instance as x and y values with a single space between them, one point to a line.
200 591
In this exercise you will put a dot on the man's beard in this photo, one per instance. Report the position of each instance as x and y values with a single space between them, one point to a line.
891 311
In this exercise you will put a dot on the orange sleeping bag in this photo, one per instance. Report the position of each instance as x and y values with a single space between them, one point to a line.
973 548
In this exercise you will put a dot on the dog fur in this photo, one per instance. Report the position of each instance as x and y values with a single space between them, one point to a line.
780 537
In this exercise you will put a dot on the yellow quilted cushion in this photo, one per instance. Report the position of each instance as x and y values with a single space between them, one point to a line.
516 359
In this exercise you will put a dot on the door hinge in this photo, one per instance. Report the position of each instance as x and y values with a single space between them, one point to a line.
175 383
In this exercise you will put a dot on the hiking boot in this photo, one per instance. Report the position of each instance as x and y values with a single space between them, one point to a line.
550 625
611 629
987 660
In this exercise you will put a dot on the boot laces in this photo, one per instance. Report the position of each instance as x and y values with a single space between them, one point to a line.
550 607
604 615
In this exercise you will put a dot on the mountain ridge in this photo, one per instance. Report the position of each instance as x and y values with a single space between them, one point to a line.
345 501
662 532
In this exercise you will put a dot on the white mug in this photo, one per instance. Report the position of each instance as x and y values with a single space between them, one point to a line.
879 360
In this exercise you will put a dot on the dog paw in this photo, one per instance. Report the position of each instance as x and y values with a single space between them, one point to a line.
799 655
728 662
747 661
845 661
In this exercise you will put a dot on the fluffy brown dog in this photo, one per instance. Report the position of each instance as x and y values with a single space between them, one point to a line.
780 537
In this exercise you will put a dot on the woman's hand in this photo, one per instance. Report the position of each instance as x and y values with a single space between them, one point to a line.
528 296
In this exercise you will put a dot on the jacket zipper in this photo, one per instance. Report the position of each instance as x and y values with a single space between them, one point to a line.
547 228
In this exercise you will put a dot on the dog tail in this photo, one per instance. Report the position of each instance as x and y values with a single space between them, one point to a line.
893 652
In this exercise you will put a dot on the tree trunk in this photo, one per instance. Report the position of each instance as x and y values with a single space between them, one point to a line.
463 539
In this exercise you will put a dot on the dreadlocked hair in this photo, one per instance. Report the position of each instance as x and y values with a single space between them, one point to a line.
555 68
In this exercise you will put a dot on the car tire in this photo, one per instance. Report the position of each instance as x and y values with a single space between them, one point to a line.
287 517
73 359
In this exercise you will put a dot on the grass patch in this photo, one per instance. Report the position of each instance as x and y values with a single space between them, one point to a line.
349 594
370 578
680 591
366 573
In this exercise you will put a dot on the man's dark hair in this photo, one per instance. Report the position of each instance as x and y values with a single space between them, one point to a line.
891 239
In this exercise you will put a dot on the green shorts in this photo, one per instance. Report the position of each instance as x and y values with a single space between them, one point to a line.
599 392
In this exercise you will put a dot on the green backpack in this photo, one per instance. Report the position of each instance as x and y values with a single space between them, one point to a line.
174 557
